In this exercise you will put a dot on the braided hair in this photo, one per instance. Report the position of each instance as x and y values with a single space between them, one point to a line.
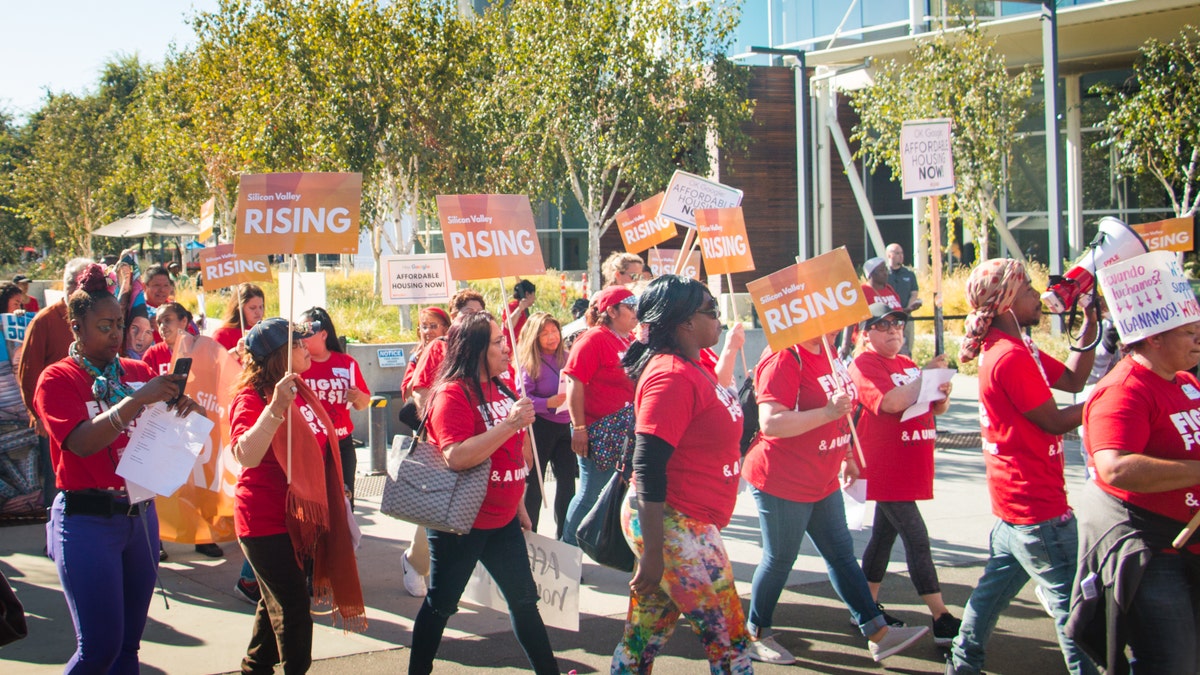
91 289
667 302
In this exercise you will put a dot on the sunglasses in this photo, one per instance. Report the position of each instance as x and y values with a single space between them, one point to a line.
887 324
714 312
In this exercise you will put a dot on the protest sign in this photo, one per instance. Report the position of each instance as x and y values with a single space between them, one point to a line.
662 261
416 279
641 226
1172 234
556 568
489 236
309 290
14 335
208 212
1147 295
688 193
222 266
926 163
809 299
723 241
281 213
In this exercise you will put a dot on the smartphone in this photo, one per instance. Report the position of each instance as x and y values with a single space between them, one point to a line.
183 367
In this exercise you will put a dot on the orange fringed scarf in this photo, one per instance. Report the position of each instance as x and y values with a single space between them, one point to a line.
316 514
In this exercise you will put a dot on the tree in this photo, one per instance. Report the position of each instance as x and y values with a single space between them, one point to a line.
14 230
607 97
1155 118
962 77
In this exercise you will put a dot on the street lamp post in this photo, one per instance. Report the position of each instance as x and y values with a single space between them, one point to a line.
803 203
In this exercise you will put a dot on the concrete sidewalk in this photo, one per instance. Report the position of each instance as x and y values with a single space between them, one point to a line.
207 627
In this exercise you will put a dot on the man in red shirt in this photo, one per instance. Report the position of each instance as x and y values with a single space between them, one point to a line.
1022 426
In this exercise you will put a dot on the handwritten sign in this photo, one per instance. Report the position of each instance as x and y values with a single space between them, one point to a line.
688 193
641 226
556 568
222 266
926 161
723 241
809 299
298 213
416 279
662 261
1172 234
489 236
1147 295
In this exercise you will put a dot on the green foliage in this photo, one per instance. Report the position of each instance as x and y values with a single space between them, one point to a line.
1155 120
959 76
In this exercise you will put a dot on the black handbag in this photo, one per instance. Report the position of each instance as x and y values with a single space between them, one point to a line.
12 615
600 535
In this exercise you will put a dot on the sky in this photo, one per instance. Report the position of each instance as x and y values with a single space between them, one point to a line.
61 45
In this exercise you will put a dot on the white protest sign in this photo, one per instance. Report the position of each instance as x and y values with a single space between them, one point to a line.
556 568
416 279
927 167
310 292
1147 295
688 193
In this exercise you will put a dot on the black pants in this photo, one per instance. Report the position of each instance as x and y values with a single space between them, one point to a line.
554 447
349 464
452 560
903 518
283 628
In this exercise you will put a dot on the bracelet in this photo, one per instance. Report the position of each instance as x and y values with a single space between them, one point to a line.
272 415
578 427
115 420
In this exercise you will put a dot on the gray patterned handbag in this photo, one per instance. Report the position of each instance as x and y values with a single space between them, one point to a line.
421 488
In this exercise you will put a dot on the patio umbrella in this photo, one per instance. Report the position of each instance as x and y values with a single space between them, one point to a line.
151 221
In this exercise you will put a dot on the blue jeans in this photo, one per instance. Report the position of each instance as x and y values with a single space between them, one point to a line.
46 468
505 556
1163 620
591 483
784 524
107 568
1047 553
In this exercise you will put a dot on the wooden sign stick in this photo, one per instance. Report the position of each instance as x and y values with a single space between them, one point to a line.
858 453
537 465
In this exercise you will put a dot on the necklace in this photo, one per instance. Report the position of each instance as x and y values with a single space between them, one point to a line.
107 386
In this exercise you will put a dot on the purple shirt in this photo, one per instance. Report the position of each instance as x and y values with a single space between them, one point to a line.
543 388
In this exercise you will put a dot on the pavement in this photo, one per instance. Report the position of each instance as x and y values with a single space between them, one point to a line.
206 627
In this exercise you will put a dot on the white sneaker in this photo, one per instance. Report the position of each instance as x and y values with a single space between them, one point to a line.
895 641
768 650
414 583
1041 596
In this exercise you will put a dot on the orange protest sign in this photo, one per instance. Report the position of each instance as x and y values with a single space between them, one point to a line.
641 226
489 236
723 240
662 261
1172 234
809 299
298 213
222 266
208 213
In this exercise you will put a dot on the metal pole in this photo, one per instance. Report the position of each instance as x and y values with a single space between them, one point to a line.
1050 85
803 203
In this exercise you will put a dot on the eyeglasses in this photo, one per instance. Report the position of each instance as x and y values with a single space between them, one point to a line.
714 312
886 324
297 344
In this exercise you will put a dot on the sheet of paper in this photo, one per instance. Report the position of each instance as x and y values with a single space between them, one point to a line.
562 389
855 498
931 380
162 449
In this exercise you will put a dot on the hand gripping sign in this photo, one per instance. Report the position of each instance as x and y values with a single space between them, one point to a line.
489 236
641 226
298 213
723 241
222 266
809 299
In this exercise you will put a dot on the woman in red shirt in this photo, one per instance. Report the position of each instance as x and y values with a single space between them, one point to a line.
686 468
599 394
105 549
286 522
473 418
899 458
338 381
433 322
246 307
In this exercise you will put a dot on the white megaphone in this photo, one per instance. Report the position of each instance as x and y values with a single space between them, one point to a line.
1115 242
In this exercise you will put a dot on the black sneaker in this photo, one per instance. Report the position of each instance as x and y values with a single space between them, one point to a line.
162 554
891 620
248 590
945 629
210 550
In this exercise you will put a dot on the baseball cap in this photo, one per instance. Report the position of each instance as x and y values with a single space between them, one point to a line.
271 334
613 296
881 311
871 265
21 279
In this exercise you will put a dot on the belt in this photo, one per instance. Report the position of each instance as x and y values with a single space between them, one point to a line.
98 504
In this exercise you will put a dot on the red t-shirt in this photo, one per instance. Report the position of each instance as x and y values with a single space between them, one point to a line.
331 379
227 336
430 364
802 468
1024 463
32 306
260 498
899 454
595 360
682 404
454 418
518 325
158 357
63 400
887 296
1135 410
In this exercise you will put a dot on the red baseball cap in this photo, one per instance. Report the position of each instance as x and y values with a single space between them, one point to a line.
613 296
